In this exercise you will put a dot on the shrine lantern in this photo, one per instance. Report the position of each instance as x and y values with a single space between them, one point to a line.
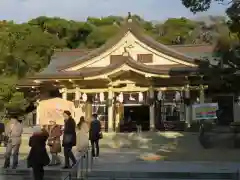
177 96
159 96
140 96
101 97
84 97
120 97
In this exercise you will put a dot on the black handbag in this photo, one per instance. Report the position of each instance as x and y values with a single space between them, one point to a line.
100 135
67 138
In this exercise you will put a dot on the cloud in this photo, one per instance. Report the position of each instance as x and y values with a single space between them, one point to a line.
23 10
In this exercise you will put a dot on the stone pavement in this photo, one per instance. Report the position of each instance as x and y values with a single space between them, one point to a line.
165 155
173 146
154 155
126 164
168 146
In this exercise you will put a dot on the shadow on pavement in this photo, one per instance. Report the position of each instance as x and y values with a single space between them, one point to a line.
169 146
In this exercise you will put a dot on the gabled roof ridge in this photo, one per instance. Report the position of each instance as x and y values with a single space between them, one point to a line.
111 42
149 38
138 31
70 50
190 45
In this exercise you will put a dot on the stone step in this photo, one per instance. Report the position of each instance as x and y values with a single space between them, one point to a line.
123 175
140 179
164 175
14 177
27 173
56 174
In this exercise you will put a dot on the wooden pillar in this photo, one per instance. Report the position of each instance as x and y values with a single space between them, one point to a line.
117 116
88 109
78 110
201 94
152 108
110 109
64 93
77 93
187 106
37 112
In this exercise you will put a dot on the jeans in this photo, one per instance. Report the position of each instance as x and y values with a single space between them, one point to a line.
68 154
38 172
95 144
139 129
55 159
14 151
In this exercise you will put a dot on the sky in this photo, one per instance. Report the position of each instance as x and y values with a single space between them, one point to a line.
159 10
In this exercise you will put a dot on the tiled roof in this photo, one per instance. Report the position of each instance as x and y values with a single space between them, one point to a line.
66 58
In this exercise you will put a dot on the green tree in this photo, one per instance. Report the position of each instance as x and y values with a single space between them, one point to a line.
9 97
176 30
227 46
233 10
106 21
100 35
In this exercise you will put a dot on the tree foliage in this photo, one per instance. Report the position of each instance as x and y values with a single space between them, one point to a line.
228 46
232 10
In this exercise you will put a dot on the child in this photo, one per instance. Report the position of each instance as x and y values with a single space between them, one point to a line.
38 157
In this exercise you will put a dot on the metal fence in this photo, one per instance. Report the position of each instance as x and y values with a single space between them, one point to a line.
83 165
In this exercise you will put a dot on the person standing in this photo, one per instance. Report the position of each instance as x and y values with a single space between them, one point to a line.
139 126
2 133
94 135
82 135
54 142
38 157
13 132
69 139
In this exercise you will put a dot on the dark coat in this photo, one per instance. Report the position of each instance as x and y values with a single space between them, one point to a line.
54 141
38 155
94 131
2 128
69 133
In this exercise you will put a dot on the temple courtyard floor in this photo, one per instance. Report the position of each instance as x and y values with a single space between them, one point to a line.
167 153
162 146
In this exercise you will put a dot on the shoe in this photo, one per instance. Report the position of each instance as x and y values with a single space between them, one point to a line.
66 167
14 167
74 164
57 164
5 167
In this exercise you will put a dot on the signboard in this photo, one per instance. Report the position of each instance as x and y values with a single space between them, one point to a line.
52 109
204 111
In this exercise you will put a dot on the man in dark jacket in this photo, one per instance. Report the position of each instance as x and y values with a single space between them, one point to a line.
95 135
69 139
2 130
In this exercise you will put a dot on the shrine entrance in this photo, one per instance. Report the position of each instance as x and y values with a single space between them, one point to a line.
134 111
135 114
170 111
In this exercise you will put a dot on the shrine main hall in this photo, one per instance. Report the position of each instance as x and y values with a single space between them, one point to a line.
131 80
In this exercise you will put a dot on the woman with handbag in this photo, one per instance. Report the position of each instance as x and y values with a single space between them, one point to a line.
54 143
82 135
69 139
38 156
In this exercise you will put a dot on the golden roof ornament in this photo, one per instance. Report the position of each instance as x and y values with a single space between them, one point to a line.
129 18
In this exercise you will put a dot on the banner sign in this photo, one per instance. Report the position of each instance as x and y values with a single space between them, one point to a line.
52 109
204 111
